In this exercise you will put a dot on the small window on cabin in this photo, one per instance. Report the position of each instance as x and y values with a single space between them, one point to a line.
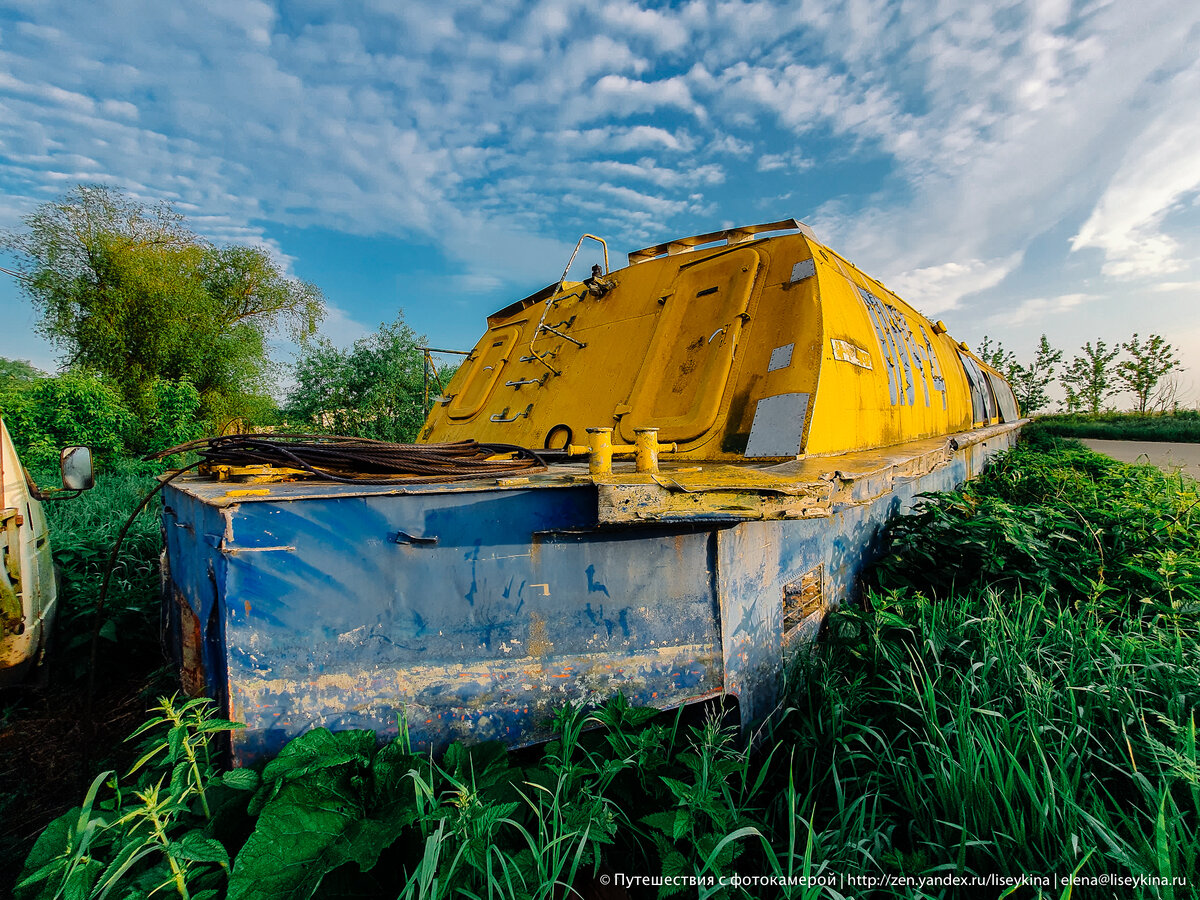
1004 398
983 405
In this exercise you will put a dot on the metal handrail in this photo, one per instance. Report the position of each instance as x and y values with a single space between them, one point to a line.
550 301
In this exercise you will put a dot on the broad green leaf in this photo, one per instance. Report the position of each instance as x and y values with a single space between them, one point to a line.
308 829
661 821
196 847
286 855
674 865
83 878
47 853
241 779
683 823
319 749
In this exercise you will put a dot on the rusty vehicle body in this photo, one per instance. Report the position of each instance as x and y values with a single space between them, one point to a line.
730 420
28 591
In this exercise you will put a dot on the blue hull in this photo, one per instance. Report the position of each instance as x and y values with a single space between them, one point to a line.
472 612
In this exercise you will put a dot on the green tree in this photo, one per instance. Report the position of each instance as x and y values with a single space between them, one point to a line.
373 389
1146 366
129 291
1003 361
48 412
1087 379
1030 382
76 407
16 372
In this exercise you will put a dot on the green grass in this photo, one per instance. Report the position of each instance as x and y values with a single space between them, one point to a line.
1016 696
83 531
1182 426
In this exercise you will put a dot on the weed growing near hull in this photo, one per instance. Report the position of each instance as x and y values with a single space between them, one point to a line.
45 726
83 531
335 814
1070 522
1016 696
158 834
1009 737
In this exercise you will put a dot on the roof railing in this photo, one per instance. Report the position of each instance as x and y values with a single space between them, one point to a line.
730 236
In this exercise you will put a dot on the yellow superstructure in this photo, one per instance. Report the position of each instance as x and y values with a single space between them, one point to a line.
750 343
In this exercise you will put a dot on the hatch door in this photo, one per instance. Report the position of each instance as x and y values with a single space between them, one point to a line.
683 378
491 355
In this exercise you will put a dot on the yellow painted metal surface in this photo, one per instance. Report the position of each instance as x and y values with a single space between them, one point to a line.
760 347
485 367
682 379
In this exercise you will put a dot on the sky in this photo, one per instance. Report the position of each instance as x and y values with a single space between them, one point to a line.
1013 168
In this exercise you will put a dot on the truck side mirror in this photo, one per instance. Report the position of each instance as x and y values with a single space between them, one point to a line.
76 465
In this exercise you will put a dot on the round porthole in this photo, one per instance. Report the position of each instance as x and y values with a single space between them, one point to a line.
558 437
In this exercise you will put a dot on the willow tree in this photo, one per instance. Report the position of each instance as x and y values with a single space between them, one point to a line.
128 290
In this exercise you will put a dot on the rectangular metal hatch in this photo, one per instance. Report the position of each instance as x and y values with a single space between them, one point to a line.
490 357
683 377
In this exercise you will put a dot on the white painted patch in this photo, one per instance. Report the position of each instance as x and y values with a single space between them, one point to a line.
778 426
851 353
806 268
781 357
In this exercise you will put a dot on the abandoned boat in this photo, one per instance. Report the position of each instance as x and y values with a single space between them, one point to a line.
722 428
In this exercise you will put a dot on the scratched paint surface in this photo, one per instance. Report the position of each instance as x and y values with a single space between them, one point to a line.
758 558
470 614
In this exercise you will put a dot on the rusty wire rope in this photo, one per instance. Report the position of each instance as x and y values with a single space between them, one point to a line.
350 460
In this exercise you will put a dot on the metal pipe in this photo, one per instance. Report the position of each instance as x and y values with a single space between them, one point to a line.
579 344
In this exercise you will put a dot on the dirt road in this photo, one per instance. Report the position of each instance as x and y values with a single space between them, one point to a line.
1164 455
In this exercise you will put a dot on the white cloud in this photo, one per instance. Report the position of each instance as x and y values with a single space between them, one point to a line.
936 289
1171 286
340 328
646 170
609 139
665 32
1161 168
616 95
784 162
1036 309
727 143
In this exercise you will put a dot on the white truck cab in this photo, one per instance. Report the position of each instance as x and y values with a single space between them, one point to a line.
28 591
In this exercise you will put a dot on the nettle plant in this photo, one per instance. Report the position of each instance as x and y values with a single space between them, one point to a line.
339 814
154 830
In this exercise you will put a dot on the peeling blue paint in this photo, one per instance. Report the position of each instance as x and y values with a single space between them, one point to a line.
309 615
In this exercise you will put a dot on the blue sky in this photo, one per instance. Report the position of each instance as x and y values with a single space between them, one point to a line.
1013 168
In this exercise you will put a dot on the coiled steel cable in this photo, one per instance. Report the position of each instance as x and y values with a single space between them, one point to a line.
348 459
